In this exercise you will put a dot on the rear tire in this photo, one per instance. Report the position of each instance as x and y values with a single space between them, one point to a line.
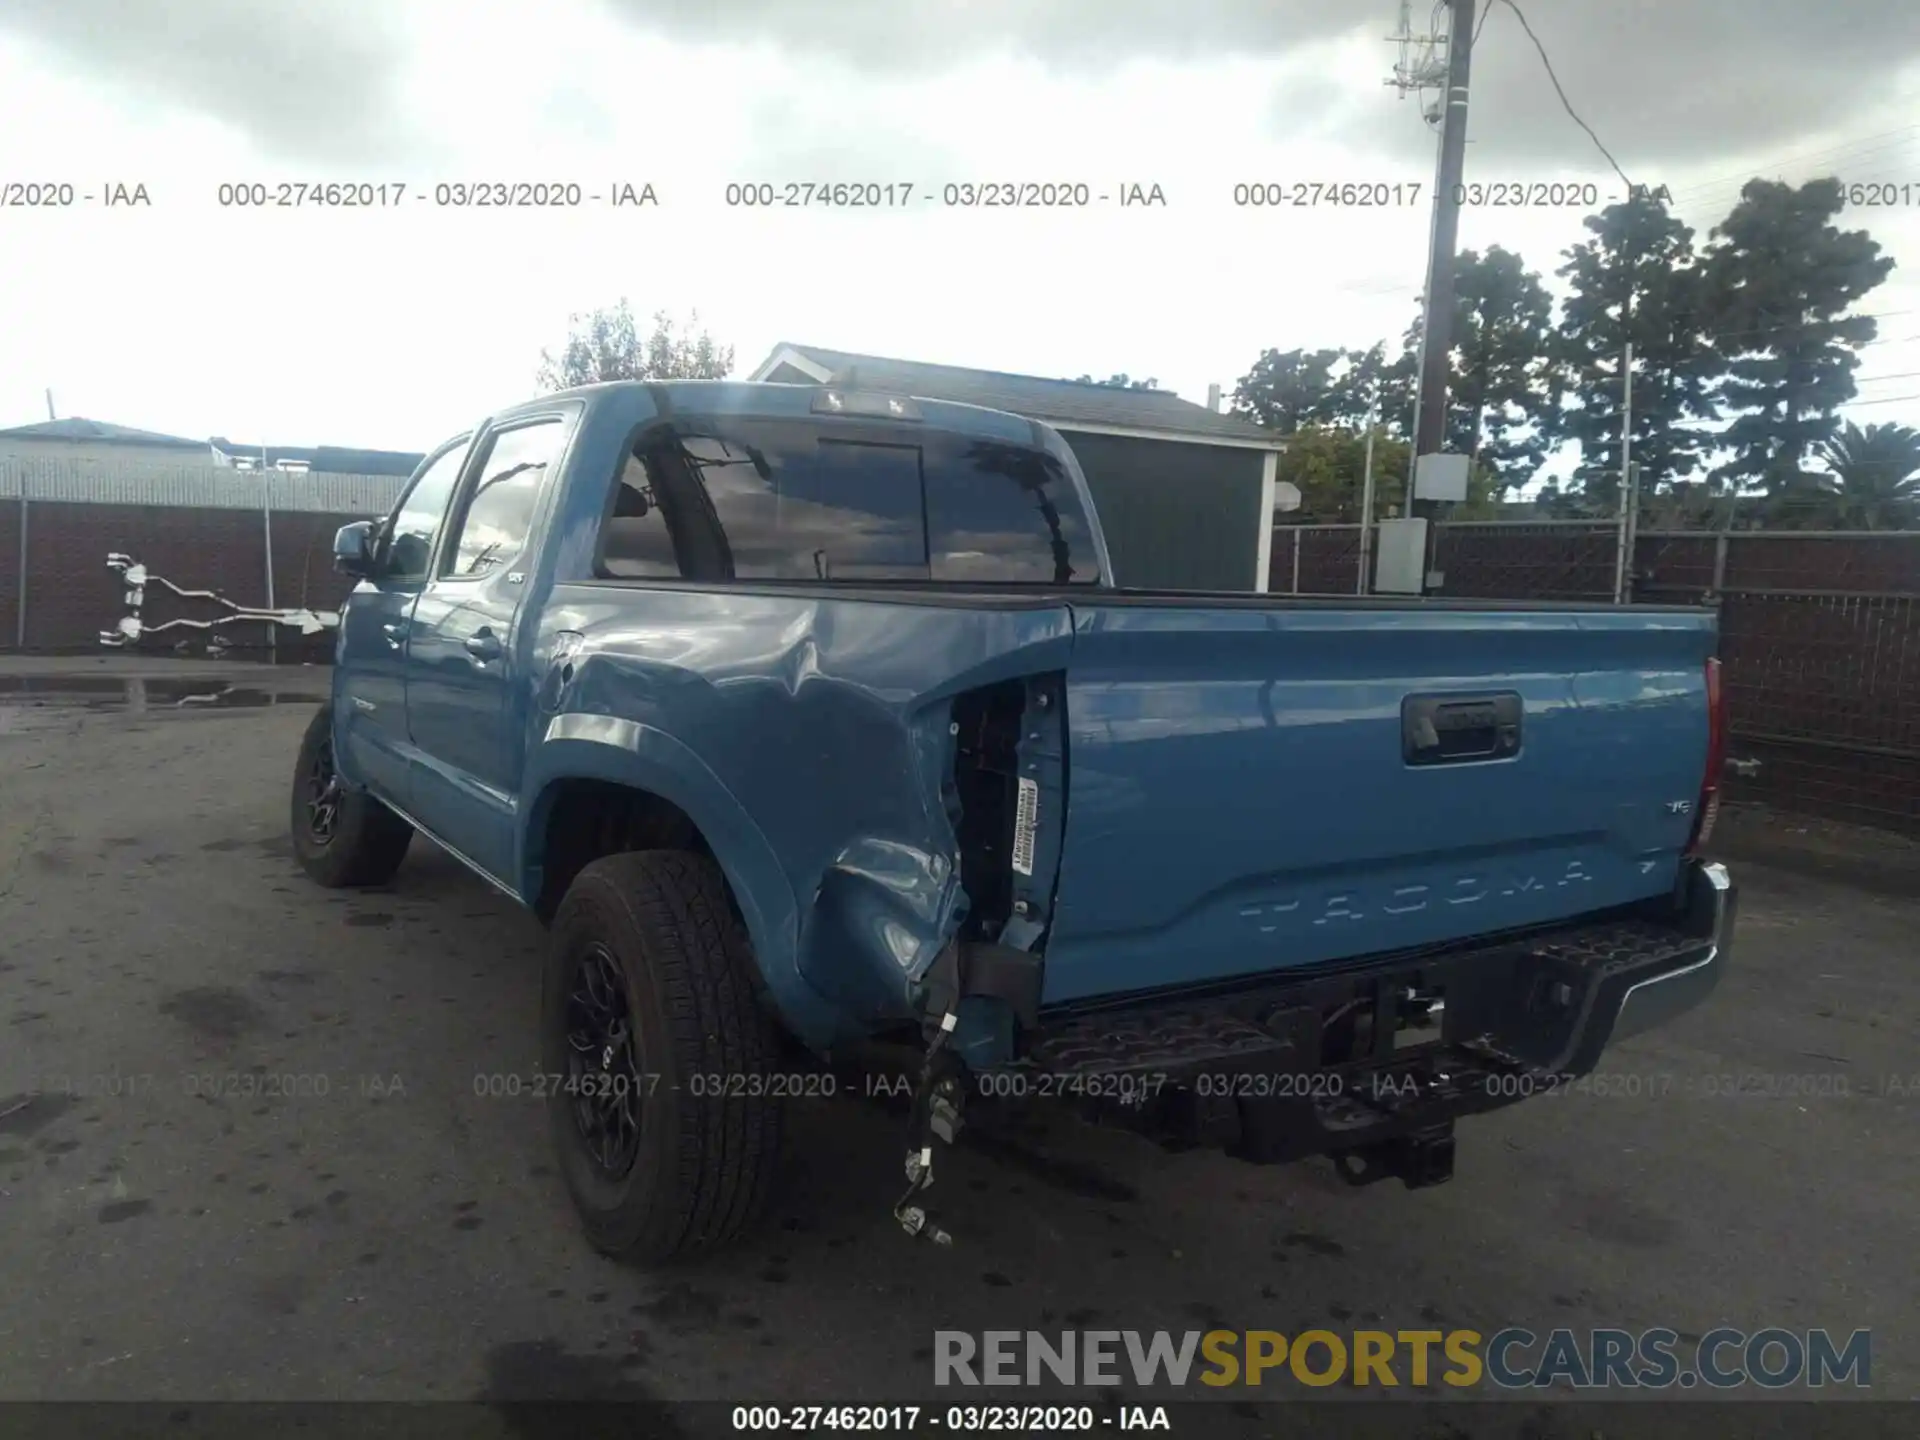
342 837
688 1165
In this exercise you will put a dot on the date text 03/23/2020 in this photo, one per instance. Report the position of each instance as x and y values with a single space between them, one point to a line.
954 195
951 1419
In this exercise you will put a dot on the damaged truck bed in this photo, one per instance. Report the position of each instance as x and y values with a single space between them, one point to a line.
810 719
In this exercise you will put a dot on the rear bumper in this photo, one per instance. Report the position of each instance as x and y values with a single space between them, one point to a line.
1652 1000
1396 1046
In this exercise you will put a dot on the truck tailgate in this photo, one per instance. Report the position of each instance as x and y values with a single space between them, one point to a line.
1255 788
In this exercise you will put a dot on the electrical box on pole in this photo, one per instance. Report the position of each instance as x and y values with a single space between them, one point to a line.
1440 476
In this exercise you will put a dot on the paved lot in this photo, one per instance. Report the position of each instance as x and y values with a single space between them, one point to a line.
401 1236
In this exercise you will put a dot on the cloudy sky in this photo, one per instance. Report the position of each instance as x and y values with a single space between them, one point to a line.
395 327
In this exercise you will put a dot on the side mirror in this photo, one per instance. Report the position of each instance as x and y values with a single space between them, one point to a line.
354 551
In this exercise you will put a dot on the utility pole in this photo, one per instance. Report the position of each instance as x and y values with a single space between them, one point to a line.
1438 345
1419 68
1426 312
50 414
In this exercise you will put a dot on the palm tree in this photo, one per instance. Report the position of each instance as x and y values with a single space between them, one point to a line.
1873 478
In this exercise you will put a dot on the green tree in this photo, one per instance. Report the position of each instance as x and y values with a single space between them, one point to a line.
1635 278
1779 279
1872 479
1693 505
608 345
1288 389
1392 384
1118 382
1328 464
1505 384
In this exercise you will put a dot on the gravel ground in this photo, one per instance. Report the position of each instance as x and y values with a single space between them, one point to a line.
367 1223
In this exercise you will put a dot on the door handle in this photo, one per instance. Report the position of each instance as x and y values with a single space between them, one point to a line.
483 645
395 631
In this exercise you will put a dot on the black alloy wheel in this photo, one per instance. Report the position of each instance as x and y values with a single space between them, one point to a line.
323 794
341 836
604 1075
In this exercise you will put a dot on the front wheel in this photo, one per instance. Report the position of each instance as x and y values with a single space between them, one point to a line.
667 1132
342 837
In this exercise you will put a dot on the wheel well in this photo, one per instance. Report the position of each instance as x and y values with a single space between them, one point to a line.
587 819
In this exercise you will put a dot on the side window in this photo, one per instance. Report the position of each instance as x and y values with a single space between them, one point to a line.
784 502
417 519
1006 514
635 541
499 511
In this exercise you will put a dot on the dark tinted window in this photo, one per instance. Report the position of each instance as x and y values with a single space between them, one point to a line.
1005 514
789 502
417 520
757 500
635 543
499 514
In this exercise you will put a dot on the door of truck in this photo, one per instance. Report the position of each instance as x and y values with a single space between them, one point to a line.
369 683
462 659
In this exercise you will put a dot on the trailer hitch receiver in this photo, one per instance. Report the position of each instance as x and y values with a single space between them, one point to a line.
1418 1160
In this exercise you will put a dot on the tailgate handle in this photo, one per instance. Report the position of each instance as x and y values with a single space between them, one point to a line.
1446 729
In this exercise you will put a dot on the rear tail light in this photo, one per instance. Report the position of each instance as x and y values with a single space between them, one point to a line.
1709 805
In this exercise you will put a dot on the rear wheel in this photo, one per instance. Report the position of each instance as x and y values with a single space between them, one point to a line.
342 837
667 1132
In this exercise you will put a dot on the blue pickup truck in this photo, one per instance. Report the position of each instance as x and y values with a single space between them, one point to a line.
813 726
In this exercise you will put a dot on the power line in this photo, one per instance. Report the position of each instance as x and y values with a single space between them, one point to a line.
1883 400
1762 330
1801 326
1726 421
1892 158
1703 186
1613 373
1520 15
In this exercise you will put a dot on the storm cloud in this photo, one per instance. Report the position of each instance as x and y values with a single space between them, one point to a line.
1666 83
318 80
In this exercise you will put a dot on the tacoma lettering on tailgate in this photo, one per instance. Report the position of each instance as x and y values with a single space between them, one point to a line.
1351 903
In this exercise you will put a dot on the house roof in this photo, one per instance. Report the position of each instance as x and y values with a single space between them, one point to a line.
76 429
340 460
326 459
1064 404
